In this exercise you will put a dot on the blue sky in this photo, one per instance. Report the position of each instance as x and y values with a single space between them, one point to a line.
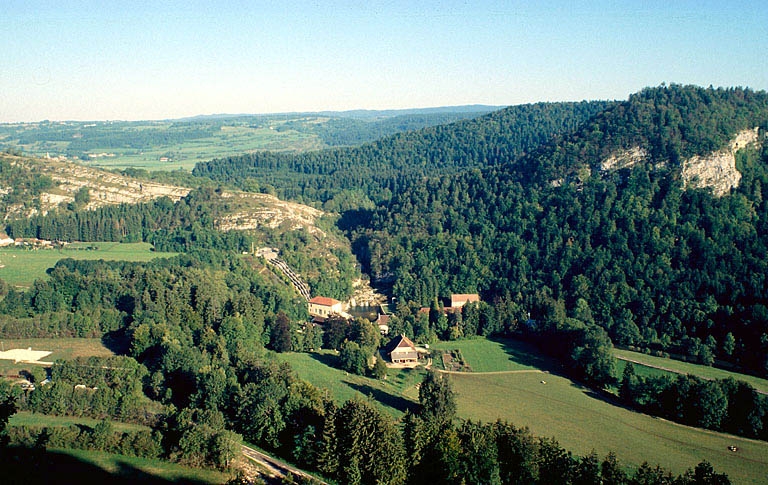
166 59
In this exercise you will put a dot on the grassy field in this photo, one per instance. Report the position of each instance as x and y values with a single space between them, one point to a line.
681 367
495 355
232 140
130 469
395 394
581 421
61 348
21 267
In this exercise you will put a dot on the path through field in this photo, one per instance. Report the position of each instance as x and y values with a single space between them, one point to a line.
276 468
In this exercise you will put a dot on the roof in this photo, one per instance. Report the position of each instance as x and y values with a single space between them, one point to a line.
322 300
462 298
400 342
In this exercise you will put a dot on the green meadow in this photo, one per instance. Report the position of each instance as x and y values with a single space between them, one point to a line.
130 469
21 267
554 406
231 140
395 394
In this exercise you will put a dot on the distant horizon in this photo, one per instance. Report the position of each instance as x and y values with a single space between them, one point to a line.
151 61
448 108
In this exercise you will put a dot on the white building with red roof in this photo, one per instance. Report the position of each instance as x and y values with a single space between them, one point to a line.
323 307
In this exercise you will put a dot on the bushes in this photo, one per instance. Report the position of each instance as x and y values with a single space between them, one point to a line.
141 443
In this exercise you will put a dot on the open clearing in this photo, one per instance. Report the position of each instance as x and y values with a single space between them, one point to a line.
395 394
131 469
59 348
581 421
24 355
680 367
21 267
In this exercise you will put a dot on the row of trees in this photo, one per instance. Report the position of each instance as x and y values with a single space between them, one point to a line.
722 405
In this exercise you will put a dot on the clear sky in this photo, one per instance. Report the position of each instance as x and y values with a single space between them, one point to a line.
96 60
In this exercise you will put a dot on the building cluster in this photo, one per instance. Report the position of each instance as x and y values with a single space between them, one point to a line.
400 350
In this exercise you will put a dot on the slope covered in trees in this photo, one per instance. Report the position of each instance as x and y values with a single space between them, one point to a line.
628 250
382 168
504 206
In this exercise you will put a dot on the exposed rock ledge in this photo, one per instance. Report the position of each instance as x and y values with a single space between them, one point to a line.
718 170
624 159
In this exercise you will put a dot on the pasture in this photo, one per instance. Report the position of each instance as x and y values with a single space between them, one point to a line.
395 394
99 467
21 267
60 348
582 421
677 366
231 140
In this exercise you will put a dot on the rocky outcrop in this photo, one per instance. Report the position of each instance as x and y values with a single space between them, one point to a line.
717 171
263 210
624 159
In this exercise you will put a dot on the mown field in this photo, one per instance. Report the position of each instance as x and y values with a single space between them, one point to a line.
395 394
483 355
80 466
21 267
61 348
681 367
582 421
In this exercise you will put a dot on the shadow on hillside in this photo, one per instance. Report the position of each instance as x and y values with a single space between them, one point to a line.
328 359
385 398
525 353
37 466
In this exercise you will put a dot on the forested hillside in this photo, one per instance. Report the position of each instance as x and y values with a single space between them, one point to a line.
519 205
385 167
629 250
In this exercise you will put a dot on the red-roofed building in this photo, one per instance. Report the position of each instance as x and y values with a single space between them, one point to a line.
459 300
323 307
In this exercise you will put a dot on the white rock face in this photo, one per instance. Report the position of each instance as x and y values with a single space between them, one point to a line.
717 171
269 211
624 159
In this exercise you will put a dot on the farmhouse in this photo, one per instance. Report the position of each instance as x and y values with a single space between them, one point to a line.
402 351
459 300
324 307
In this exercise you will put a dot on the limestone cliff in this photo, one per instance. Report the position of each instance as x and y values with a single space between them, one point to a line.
717 170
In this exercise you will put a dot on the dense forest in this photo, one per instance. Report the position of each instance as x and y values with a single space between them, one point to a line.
390 165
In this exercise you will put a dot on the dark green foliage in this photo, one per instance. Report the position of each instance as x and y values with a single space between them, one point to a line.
281 333
353 358
722 405
437 403
101 437
629 250
370 447
384 167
